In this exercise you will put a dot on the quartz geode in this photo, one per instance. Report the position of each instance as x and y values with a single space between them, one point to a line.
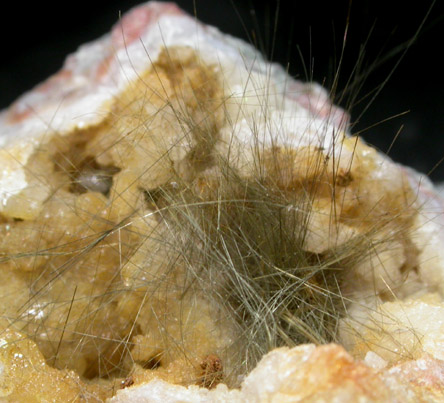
150 192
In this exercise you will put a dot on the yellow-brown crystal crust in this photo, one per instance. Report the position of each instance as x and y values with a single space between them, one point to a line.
93 290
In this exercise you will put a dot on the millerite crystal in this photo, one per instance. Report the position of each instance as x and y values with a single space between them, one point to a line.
182 220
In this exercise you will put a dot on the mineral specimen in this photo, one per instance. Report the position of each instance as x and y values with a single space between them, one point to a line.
173 208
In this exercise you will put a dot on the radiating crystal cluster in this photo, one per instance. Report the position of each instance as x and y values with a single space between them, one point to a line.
97 291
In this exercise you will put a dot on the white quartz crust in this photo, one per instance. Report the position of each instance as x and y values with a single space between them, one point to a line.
81 93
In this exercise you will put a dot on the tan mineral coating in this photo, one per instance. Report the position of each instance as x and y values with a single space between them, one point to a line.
83 219
119 319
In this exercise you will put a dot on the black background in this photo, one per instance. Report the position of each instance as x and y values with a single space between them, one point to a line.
37 37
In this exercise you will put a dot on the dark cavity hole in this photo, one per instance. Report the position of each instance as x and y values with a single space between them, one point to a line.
152 363
161 196
90 176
